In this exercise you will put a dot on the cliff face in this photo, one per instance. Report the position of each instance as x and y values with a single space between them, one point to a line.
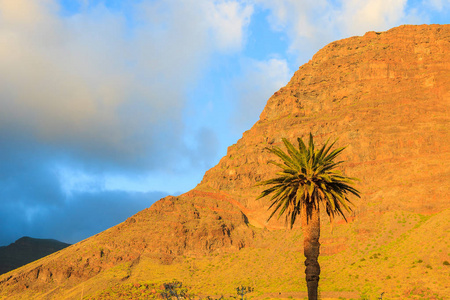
384 95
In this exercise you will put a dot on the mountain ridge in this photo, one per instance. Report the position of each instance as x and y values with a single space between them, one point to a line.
26 250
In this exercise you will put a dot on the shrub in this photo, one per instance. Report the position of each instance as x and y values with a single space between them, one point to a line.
175 290
242 290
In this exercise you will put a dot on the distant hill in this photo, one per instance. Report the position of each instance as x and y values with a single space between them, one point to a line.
26 250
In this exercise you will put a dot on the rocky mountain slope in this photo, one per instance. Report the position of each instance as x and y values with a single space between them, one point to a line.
387 96
26 250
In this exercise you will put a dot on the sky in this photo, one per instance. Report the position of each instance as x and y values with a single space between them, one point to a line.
106 106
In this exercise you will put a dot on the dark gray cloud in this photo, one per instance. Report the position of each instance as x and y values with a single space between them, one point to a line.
71 219
35 202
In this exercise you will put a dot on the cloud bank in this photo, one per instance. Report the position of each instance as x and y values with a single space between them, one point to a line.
94 94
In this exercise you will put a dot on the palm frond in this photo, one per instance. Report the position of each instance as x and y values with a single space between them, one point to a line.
287 160
293 153
308 177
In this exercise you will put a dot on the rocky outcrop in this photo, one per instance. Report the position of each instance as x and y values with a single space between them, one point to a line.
194 224
386 96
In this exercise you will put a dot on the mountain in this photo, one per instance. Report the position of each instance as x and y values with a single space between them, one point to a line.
26 250
386 95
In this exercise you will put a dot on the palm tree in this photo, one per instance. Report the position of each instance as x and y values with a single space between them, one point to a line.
307 180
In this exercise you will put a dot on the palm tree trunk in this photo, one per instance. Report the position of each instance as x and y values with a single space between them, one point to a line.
311 233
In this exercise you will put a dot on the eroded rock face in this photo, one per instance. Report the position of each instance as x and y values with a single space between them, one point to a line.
385 95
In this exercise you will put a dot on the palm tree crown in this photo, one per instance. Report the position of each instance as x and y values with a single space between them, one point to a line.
308 177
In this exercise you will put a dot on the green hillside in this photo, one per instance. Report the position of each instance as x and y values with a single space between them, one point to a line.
392 257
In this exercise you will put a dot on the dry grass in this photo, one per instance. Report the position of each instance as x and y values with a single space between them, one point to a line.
397 257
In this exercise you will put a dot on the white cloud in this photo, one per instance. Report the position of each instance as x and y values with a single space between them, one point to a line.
296 14
305 22
358 17
107 91
311 24
61 77
25 12
228 20
438 4
260 79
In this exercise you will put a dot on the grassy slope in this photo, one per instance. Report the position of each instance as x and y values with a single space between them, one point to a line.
393 257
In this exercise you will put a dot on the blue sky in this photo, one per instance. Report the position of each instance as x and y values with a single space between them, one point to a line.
108 106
